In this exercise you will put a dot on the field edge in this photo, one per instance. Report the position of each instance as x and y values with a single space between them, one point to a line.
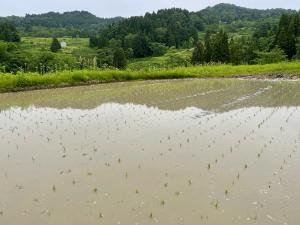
34 81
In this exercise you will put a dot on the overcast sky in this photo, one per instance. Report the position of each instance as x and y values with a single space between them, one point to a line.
111 8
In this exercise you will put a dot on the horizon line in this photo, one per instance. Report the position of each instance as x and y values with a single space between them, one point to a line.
142 14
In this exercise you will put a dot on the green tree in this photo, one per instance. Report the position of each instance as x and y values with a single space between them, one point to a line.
291 49
298 48
55 45
262 30
141 46
119 60
282 39
286 36
284 21
3 52
114 43
105 57
98 41
158 49
12 58
198 56
250 47
171 39
220 51
274 56
208 47
129 40
129 53
93 42
236 52
177 60
297 24
9 33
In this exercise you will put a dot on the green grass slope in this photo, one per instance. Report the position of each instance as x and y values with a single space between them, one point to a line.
10 82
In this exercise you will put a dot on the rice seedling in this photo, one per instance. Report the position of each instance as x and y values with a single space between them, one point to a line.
151 216
226 192
177 193
216 205
153 112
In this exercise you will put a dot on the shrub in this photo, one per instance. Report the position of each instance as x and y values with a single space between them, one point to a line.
158 49
22 81
119 60
274 56
79 77
55 46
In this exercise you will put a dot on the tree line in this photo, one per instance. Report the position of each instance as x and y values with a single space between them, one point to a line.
288 33
284 43
85 24
155 33
75 24
9 33
172 27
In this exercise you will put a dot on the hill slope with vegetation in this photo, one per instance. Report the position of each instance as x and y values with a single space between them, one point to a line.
75 23
166 39
32 81
221 34
229 13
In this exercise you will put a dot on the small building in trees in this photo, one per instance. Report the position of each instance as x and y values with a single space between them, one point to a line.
63 44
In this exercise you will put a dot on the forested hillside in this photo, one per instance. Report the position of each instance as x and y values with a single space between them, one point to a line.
224 33
75 18
82 23
76 23
164 39
228 13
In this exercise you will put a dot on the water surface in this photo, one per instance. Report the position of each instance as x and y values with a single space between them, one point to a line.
160 152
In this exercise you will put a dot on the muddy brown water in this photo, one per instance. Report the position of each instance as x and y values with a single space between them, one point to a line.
156 152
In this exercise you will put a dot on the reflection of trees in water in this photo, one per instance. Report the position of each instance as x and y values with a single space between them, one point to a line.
209 95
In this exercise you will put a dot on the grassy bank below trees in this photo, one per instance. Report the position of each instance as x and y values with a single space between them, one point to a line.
28 81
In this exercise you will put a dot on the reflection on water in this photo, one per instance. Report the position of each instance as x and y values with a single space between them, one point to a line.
212 95
163 152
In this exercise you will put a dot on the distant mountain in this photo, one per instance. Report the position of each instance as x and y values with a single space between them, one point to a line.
177 26
75 18
222 12
56 20
228 13
75 23
84 24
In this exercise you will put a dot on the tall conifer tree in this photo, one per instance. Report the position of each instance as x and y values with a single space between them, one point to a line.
198 54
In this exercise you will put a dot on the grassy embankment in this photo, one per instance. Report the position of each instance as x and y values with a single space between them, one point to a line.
10 82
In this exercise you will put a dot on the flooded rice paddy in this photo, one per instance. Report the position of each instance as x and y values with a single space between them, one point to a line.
161 152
